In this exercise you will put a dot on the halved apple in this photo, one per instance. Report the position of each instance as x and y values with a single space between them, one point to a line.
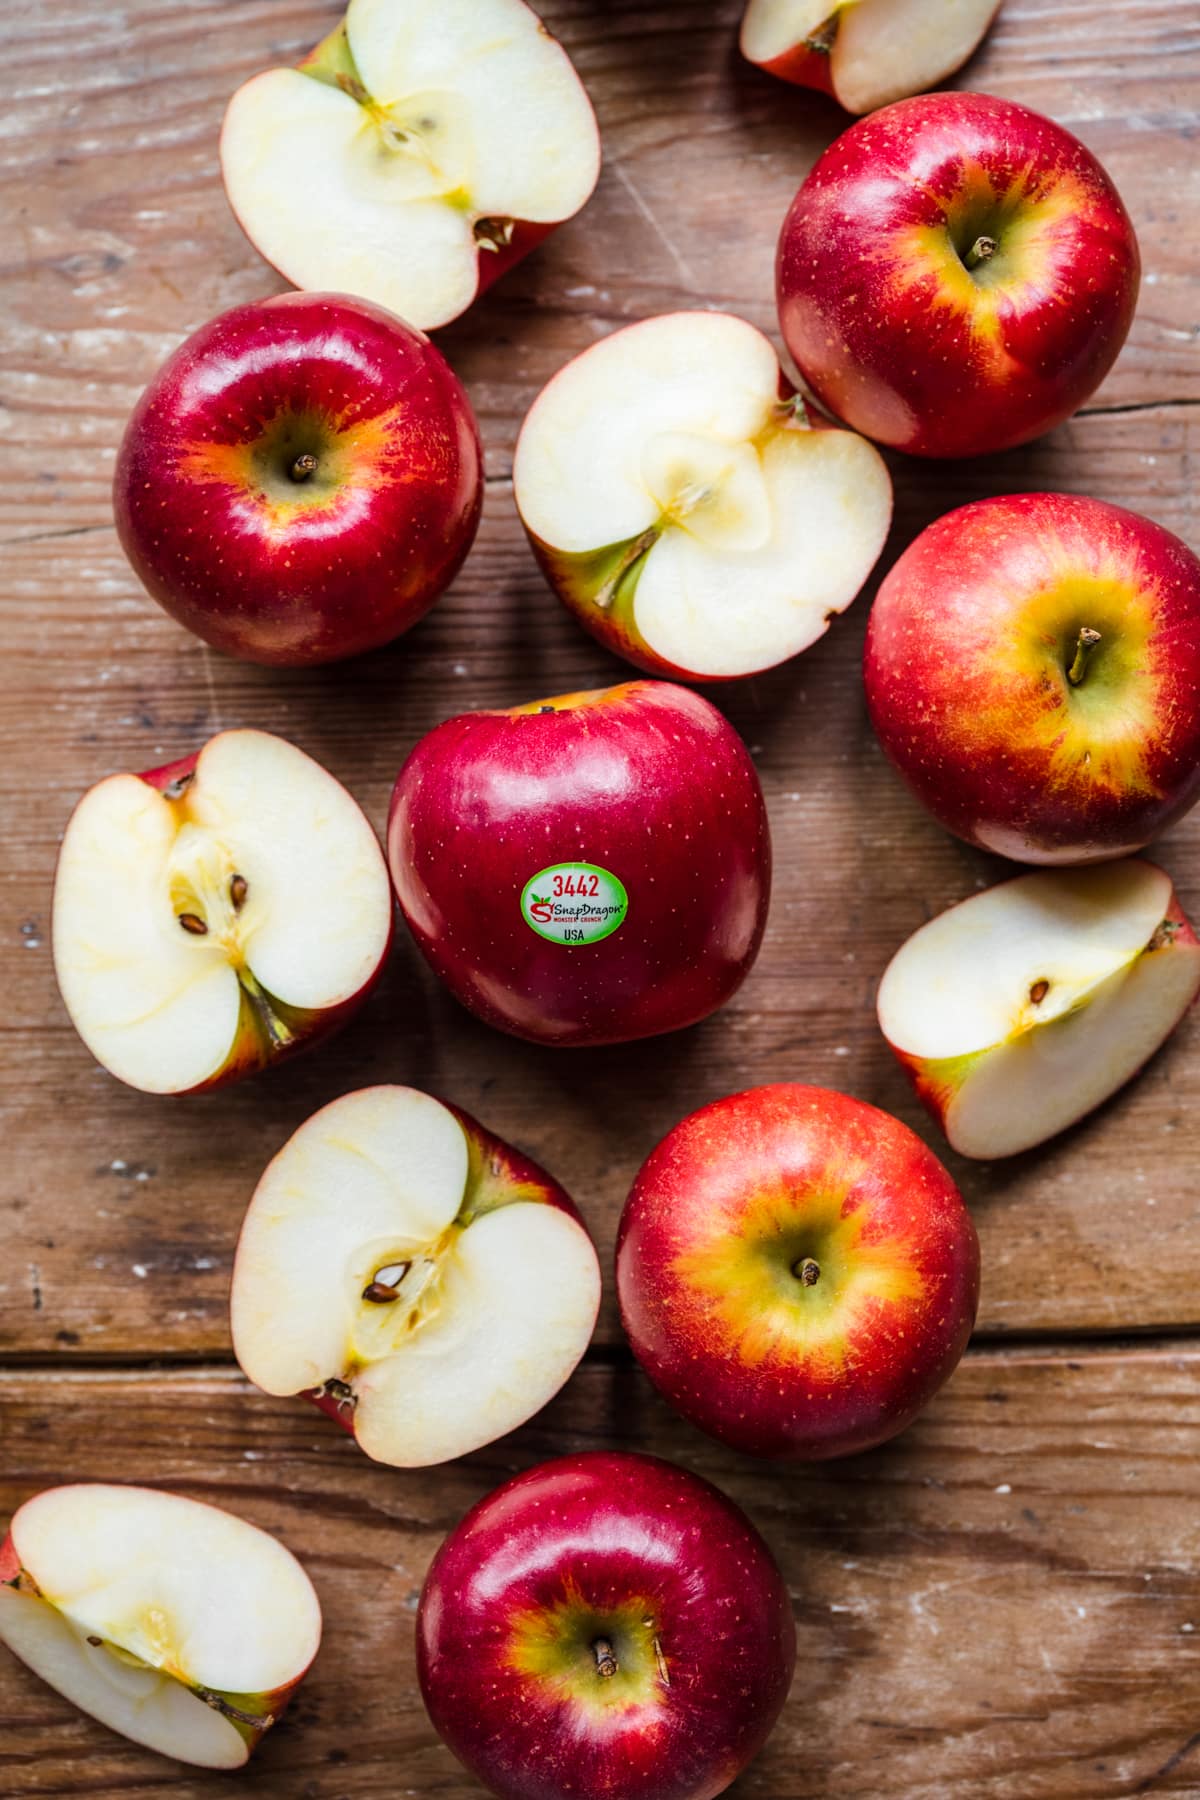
415 155
426 1284
174 1623
1023 1008
685 505
215 915
866 53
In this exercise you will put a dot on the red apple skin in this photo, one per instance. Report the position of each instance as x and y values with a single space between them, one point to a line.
290 572
646 781
618 1543
965 665
722 1211
885 322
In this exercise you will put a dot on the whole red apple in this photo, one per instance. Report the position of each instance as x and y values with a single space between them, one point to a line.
586 869
300 480
796 1272
605 1624
956 275
1032 668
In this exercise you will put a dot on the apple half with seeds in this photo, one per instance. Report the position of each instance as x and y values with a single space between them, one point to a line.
1023 1008
426 1284
177 1624
686 506
866 53
215 915
414 155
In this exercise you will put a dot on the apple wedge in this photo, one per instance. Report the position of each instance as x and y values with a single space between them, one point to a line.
866 53
415 155
685 505
218 914
425 1283
174 1623
1023 1008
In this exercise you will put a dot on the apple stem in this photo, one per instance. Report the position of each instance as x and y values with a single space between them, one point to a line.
981 251
303 467
1086 643
807 1271
606 1662
605 595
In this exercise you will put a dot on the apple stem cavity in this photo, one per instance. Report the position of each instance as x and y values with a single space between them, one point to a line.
641 546
1084 646
304 467
807 1271
606 1662
981 251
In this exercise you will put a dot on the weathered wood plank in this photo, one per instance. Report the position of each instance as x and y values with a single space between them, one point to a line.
1000 1605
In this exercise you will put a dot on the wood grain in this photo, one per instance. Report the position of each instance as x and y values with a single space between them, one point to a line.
1000 1606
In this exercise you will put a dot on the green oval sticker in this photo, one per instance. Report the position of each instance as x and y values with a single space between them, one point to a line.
574 903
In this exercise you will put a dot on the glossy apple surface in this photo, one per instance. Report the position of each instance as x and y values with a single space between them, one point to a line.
956 275
605 1624
585 869
300 480
797 1273
1032 668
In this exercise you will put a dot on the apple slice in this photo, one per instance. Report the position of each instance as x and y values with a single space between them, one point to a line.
177 1624
686 507
425 1283
866 53
1019 1010
415 155
215 915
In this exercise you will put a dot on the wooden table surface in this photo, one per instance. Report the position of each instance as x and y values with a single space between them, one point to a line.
1003 1604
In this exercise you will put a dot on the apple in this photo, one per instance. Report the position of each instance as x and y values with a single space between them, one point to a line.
605 1624
414 155
683 505
424 1282
1023 1008
956 275
218 914
175 1623
300 480
865 53
586 869
796 1272
1032 668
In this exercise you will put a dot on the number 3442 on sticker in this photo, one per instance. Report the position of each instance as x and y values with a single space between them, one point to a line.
574 903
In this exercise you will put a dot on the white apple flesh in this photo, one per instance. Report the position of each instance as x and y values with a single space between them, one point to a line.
683 505
414 155
211 917
424 1282
1023 1008
866 53
174 1623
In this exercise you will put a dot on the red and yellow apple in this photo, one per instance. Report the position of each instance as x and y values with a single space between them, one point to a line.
586 869
1021 1009
218 914
605 1624
414 155
865 53
956 275
177 1624
428 1285
797 1273
300 480
1032 669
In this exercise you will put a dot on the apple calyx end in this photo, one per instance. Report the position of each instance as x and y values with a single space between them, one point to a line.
1164 935
1085 644
494 234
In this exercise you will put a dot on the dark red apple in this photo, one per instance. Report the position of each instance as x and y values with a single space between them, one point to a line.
797 1273
956 275
605 1624
1032 668
586 869
301 479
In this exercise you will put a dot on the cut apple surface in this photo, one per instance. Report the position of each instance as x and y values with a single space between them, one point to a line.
427 1284
866 53
1023 1008
415 155
684 506
215 915
177 1624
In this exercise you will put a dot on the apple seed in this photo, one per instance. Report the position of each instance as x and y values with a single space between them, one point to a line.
239 887
193 924
1038 992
